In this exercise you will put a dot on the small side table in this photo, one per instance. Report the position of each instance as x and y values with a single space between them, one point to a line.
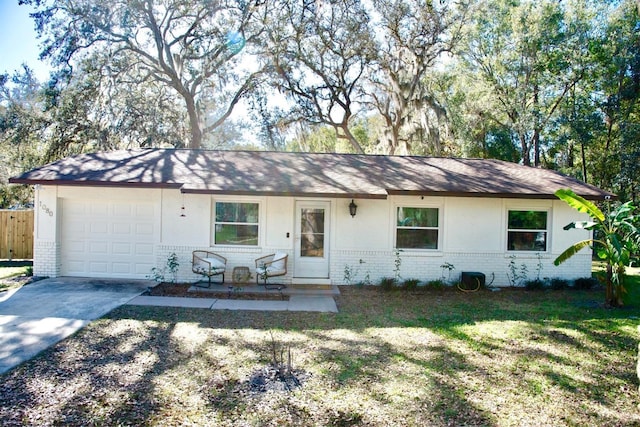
241 275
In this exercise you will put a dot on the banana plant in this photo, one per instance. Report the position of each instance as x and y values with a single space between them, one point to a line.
614 239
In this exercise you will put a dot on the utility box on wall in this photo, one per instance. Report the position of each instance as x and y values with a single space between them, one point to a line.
473 279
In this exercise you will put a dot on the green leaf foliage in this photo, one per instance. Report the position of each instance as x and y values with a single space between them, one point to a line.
580 204
571 251
616 240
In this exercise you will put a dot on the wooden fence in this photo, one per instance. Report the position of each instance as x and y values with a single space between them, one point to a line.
16 234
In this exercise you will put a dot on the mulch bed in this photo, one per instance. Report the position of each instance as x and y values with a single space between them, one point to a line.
165 289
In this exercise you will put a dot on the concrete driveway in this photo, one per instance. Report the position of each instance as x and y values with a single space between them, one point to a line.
42 313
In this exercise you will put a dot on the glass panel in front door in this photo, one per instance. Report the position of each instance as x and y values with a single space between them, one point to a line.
312 232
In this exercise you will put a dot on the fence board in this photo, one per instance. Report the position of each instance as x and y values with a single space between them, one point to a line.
16 234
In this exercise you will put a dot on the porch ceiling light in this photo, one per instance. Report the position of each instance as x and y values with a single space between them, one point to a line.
352 208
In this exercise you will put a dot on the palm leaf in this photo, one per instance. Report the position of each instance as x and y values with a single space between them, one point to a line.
571 251
580 204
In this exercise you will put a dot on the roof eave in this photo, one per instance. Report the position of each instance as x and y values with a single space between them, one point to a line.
69 183
496 195
355 195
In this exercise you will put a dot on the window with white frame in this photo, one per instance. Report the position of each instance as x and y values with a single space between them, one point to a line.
236 223
417 228
527 230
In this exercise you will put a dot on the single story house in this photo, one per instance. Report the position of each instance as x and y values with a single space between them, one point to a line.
341 218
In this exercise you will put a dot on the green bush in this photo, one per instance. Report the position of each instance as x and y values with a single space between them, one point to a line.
436 284
559 284
410 284
585 283
388 283
534 285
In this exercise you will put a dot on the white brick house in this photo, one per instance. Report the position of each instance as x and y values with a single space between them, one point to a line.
119 214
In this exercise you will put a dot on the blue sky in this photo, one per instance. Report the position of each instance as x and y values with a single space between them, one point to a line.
18 42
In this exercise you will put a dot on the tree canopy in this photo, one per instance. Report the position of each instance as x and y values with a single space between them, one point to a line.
545 83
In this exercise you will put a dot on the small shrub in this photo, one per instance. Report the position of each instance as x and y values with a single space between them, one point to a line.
397 262
559 284
515 274
448 267
585 283
172 265
410 284
349 274
534 285
388 283
367 279
29 271
435 284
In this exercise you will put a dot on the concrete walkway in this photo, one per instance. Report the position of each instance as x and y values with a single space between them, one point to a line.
295 303
300 298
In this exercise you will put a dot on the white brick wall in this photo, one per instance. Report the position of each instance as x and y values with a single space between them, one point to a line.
374 264
236 257
46 258
428 267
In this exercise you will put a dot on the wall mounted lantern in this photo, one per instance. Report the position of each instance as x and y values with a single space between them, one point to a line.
182 209
352 208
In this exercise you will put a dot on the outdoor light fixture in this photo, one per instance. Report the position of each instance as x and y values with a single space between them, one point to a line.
352 208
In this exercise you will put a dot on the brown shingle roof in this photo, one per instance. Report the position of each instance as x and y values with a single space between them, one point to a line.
300 174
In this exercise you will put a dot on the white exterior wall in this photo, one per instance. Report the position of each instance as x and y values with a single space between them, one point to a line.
473 234
46 248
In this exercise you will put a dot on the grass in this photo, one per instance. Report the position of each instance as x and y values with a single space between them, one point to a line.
631 282
508 358
632 286
11 270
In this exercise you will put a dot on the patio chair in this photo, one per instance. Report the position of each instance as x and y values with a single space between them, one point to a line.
209 264
271 266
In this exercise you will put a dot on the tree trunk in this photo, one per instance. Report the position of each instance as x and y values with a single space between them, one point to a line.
526 158
584 164
349 137
570 155
535 141
196 135
194 123
536 148
613 291
610 295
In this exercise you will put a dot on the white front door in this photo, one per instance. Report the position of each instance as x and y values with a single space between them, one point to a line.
312 240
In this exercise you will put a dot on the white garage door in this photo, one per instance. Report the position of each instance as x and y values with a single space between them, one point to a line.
107 239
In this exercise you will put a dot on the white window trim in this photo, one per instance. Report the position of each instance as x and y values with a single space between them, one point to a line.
506 229
439 228
260 222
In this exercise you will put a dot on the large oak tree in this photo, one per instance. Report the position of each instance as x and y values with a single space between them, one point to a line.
190 46
320 53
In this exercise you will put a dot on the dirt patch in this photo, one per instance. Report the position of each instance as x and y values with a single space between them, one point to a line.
268 378
216 291
17 282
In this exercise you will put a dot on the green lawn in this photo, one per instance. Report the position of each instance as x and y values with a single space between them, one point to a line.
632 286
10 270
631 283
507 358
